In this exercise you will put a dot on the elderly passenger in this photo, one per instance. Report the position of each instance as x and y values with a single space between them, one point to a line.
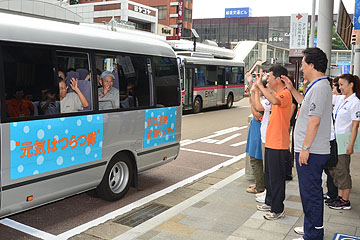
72 101
108 95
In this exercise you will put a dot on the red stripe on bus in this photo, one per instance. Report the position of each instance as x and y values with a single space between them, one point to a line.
204 88
218 87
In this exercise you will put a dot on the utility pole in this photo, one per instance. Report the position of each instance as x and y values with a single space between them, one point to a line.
312 32
357 54
325 25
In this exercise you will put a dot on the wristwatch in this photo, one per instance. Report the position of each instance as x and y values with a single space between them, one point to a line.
305 147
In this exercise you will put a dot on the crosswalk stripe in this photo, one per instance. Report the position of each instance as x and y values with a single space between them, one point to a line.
228 138
238 144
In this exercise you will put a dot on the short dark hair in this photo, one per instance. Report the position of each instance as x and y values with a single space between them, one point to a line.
278 70
316 57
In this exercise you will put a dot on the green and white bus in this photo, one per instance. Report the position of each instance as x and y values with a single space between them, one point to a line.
48 153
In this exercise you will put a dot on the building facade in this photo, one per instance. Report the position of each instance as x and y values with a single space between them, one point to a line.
224 31
142 17
176 14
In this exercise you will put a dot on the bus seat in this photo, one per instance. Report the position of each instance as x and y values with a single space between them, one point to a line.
36 110
116 80
82 72
70 75
85 88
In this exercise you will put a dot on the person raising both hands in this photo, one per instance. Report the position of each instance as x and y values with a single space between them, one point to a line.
71 101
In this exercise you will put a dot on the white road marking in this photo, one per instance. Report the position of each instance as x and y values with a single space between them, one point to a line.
145 200
209 153
27 229
218 133
184 141
213 140
238 144
228 138
165 216
206 140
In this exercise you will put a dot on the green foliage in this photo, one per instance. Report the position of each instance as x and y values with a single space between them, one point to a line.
73 2
337 44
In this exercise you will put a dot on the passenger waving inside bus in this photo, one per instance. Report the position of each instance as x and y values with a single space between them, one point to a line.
108 95
72 101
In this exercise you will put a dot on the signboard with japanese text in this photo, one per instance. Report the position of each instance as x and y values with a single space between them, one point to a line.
181 9
276 37
344 26
298 31
357 15
238 12
180 29
46 145
160 126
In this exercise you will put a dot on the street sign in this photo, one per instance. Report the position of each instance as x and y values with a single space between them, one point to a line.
298 31
345 67
344 26
181 9
357 15
237 12
180 29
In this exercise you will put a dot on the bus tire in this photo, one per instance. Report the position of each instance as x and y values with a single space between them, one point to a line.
117 178
230 101
197 106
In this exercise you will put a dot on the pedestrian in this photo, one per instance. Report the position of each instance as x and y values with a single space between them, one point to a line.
253 145
276 143
312 146
347 117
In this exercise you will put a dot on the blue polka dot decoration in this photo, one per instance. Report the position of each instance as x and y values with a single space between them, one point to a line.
160 126
43 146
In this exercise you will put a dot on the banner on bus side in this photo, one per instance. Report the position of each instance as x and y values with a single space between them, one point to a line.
46 145
160 126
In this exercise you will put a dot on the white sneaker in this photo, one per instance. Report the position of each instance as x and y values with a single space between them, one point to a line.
263 208
260 199
299 230
260 194
301 238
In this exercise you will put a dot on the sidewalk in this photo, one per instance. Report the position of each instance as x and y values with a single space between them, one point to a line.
217 207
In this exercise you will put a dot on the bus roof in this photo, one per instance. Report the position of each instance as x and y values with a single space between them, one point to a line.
16 28
210 61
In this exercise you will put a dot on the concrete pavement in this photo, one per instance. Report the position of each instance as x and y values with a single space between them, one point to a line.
217 207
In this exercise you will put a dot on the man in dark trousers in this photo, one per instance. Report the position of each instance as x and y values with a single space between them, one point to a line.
312 146
276 142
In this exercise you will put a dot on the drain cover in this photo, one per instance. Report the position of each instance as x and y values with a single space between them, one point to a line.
139 216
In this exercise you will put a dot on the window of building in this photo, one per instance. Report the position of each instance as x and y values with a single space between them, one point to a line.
187 15
162 12
166 82
224 33
243 32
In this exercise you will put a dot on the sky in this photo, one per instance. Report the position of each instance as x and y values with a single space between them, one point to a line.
216 8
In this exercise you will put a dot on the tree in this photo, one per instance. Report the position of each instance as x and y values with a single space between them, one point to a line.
74 2
337 44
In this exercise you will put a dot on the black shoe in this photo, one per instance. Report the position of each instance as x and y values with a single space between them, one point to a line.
333 201
288 178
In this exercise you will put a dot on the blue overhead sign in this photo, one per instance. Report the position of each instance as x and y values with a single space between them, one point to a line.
357 15
237 12
345 67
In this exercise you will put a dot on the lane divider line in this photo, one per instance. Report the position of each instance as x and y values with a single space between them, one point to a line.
27 229
209 153
165 216
145 200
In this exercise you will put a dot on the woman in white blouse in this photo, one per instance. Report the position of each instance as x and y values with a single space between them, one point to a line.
347 117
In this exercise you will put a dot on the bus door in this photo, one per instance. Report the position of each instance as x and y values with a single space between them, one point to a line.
220 99
189 85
